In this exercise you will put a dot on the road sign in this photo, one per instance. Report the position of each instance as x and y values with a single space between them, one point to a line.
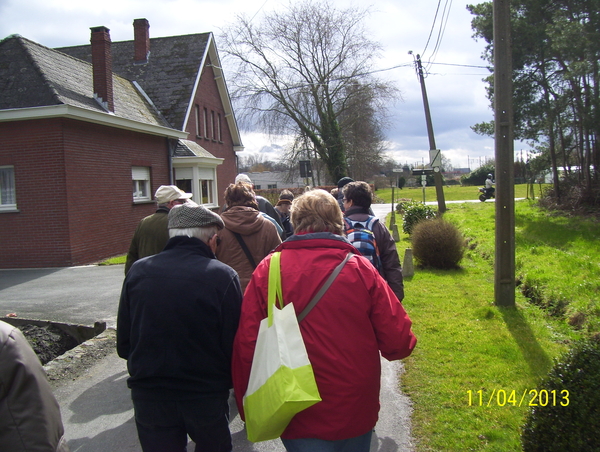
435 157
305 168
422 172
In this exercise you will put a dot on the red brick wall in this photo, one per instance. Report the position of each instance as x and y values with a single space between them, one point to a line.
74 190
36 236
207 96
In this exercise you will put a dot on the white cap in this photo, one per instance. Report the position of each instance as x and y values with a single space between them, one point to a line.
166 193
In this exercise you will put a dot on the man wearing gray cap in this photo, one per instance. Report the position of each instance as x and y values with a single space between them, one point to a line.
151 234
177 318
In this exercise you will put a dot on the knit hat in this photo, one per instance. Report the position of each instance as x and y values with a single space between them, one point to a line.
189 215
243 178
166 193
343 181
286 197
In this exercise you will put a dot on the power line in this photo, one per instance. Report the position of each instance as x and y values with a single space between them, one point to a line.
437 10
362 74
259 10
443 24
459 65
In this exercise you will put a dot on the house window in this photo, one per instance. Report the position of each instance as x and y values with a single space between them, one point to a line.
206 191
271 186
201 181
205 121
219 135
212 124
8 198
197 115
140 176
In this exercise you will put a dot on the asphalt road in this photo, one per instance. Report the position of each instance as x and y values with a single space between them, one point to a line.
96 407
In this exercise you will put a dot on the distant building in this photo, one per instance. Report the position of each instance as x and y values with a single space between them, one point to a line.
461 170
267 180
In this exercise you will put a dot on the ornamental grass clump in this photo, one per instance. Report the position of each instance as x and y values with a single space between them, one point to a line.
567 415
437 244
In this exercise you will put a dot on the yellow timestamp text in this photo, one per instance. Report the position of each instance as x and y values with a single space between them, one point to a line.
527 397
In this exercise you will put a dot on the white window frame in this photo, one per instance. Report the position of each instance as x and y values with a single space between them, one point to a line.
140 176
199 176
8 192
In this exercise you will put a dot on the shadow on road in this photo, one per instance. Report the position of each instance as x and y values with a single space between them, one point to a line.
10 278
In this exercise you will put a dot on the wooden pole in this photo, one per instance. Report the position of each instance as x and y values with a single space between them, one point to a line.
439 189
504 279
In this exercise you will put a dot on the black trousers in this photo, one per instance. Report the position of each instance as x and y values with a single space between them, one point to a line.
164 425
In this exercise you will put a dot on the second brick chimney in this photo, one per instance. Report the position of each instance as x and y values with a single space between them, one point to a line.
102 67
141 33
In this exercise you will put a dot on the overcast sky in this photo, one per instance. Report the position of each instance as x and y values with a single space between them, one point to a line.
456 93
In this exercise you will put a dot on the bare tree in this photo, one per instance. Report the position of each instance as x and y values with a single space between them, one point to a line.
362 129
298 72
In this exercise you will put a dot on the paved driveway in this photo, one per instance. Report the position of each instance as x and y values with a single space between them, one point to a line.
80 295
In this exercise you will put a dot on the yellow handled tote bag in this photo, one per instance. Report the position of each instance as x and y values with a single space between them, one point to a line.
282 382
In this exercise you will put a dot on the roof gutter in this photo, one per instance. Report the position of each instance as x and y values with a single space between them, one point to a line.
83 114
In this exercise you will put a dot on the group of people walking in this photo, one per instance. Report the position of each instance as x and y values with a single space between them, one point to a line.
189 316
195 291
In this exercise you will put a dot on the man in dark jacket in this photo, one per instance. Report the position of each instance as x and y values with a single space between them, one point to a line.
357 198
151 234
178 315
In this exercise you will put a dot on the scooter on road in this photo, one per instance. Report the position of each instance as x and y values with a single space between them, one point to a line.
486 193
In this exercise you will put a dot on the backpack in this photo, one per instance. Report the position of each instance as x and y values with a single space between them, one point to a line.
360 234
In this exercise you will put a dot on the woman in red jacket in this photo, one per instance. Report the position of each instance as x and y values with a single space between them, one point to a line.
358 317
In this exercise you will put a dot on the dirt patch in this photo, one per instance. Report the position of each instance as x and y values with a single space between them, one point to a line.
48 342
64 357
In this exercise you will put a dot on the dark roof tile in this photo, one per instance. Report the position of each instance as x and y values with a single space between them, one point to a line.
170 75
34 76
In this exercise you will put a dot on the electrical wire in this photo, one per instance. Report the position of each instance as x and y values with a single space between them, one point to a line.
442 29
437 10
445 17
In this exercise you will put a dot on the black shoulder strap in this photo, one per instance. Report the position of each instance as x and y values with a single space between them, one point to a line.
245 248
324 287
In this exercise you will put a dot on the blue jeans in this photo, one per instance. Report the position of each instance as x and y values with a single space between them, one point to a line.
164 425
358 444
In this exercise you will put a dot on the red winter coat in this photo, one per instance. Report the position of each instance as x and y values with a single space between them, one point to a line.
358 317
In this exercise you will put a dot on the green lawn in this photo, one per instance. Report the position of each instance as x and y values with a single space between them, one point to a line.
451 193
475 363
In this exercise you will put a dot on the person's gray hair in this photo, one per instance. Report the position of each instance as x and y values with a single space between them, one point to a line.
203 234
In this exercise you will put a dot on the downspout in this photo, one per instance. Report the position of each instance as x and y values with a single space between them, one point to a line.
172 144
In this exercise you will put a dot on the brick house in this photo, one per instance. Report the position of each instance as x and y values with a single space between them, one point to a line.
88 133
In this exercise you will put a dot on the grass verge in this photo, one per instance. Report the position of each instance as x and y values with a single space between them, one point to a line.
451 193
114 260
469 377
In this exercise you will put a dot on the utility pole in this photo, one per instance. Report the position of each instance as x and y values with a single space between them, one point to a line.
437 175
504 278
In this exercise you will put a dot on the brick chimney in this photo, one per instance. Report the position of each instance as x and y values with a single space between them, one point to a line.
102 67
141 33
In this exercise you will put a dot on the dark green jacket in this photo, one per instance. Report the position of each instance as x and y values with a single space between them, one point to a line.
150 237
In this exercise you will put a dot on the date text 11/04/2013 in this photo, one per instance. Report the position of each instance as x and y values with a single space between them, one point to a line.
528 397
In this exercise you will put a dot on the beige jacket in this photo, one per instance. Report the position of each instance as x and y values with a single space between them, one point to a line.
259 234
29 414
